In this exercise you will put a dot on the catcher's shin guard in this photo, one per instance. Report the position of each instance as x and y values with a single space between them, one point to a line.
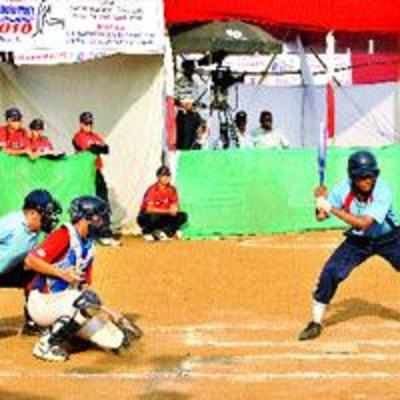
110 335
49 346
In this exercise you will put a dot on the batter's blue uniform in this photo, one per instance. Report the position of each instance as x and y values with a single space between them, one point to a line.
382 238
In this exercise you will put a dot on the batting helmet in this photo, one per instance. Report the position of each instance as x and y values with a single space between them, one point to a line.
42 201
361 164
93 209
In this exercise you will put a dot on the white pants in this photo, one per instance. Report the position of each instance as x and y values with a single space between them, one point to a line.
46 308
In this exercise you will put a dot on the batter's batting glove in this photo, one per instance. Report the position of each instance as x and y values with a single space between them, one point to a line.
323 204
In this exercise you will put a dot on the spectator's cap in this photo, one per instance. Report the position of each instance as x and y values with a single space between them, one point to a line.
86 118
163 171
14 114
241 116
36 125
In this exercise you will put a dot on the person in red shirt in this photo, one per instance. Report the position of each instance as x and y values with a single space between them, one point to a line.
159 217
39 145
13 137
88 140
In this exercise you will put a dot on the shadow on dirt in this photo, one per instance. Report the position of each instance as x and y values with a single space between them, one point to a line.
163 395
22 396
356 308
10 326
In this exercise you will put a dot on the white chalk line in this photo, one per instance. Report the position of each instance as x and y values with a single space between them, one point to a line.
199 361
195 340
261 326
293 246
181 374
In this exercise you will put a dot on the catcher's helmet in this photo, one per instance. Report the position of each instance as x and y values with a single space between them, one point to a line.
48 207
93 209
361 164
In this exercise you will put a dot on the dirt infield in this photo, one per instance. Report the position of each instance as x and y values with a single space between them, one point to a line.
221 320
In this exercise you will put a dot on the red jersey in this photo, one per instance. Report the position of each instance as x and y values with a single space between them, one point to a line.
13 140
160 197
53 249
83 140
40 144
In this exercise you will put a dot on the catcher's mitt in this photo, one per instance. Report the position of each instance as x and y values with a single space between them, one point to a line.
130 330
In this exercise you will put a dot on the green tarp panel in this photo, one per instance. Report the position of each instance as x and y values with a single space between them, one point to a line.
65 179
260 191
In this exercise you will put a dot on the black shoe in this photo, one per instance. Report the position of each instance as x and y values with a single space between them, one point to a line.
311 331
31 329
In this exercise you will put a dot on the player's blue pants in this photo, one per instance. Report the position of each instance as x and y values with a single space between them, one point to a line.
350 254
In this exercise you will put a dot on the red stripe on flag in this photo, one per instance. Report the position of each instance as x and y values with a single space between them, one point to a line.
330 111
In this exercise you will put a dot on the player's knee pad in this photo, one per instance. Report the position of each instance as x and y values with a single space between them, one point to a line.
88 303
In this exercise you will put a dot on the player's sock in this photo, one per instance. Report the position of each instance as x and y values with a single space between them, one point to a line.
318 311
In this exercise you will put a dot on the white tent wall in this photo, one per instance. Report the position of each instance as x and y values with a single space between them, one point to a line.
365 114
397 109
124 92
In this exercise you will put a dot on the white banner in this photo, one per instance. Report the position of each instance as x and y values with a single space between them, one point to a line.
285 70
125 26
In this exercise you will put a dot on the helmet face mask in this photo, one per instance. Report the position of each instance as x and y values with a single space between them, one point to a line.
50 217
48 208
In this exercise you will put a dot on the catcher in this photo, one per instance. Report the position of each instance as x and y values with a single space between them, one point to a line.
59 297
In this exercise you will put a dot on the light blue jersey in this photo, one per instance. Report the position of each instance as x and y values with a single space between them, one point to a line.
379 207
16 240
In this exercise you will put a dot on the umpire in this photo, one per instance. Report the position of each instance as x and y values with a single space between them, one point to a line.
19 234
365 202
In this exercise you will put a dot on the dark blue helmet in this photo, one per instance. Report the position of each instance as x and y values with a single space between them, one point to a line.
42 201
93 209
361 164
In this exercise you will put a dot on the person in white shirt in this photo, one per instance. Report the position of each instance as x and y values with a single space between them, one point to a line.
265 136
244 139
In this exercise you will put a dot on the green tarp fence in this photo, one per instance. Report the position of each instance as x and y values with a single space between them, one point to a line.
259 191
65 179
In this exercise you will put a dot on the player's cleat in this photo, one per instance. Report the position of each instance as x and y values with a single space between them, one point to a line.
160 235
148 237
30 328
178 235
311 331
45 351
111 242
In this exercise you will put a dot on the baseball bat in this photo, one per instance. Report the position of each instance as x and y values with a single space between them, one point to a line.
322 153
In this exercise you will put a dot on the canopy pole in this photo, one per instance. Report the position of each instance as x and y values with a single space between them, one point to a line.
265 72
330 90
